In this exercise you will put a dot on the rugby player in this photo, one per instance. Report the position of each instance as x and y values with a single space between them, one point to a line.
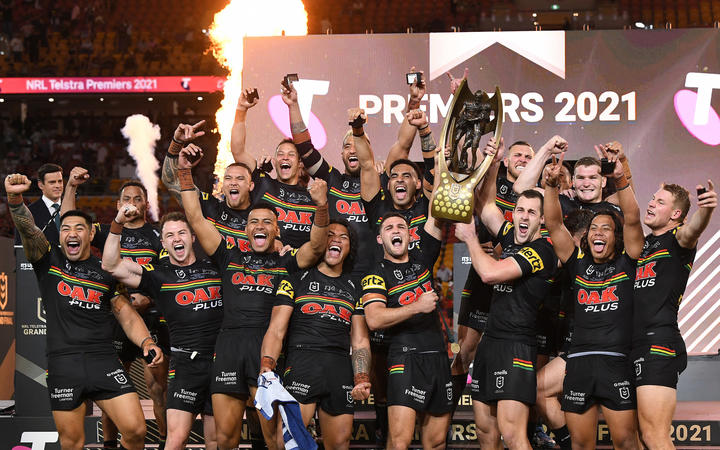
188 293
664 266
319 315
503 385
250 281
80 299
140 242
601 269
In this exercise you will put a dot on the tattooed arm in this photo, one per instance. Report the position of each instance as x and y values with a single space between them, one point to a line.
184 134
360 341
34 241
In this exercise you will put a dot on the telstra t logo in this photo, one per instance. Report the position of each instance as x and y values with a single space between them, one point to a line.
306 89
694 109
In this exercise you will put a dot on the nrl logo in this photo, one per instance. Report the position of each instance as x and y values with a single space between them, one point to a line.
500 382
40 311
180 273
3 290
624 392
314 286
398 274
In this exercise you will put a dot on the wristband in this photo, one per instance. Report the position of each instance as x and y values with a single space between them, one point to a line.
626 168
358 132
175 147
621 182
322 216
142 344
268 361
425 131
186 180
361 377
116 227
15 199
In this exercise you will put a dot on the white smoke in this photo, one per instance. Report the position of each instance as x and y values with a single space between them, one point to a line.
142 136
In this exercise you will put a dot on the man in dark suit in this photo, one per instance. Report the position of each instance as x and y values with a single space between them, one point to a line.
46 210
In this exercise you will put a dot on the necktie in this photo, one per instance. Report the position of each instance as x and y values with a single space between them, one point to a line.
56 207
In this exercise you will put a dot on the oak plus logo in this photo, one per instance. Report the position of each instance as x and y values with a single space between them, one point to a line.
306 90
694 108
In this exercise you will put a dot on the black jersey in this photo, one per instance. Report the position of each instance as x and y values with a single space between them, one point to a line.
250 281
660 279
76 298
603 303
190 298
515 305
295 208
505 197
323 310
569 205
401 284
416 217
231 223
141 245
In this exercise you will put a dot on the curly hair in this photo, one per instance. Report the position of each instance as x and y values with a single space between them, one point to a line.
618 232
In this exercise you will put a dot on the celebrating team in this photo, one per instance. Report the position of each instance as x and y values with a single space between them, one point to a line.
566 275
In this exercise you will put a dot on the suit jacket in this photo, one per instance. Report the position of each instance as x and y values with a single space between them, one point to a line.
42 217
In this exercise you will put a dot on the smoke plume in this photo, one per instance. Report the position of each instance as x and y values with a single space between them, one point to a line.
142 136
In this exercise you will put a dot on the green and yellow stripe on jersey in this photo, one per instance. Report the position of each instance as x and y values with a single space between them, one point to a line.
323 299
616 279
191 284
283 204
660 254
411 284
335 192
54 270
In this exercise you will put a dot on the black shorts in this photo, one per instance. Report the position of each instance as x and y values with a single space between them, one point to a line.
236 363
189 383
475 303
314 376
602 379
660 363
129 352
565 331
76 377
504 370
420 381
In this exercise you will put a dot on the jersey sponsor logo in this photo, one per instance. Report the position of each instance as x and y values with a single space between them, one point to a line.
148 267
645 275
373 282
409 297
200 297
533 258
508 226
312 308
596 301
85 298
286 288
350 208
261 279
242 244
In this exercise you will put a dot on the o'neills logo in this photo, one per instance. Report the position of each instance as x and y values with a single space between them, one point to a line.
3 290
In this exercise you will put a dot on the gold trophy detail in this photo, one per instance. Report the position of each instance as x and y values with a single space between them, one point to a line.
471 116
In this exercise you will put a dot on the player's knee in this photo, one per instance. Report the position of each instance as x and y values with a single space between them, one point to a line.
133 431
71 440
226 439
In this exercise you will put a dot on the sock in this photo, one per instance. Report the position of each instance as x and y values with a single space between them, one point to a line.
381 418
562 438
110 444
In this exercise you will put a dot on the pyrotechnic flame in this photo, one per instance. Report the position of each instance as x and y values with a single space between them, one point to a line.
242 18
142 135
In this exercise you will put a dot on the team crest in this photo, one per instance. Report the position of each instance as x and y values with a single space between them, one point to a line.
503 189
180 273
349 397
500 382
224 215
314 286
120 378
624 392
448 391
346 184
398 274
638 369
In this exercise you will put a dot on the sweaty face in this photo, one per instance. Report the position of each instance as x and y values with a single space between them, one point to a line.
660 210
52 186
262 229
394 237
133 195
177 239
588 183
518 157
601 238
404 184
338 245
527 219
349 157
237 185
75 237
287 162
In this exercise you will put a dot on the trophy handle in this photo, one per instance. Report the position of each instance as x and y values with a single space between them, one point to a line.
499 115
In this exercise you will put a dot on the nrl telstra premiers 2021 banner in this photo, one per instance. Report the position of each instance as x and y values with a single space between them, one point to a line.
656 92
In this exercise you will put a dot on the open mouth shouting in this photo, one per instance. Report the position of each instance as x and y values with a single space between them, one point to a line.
259 239
179 250
334 251
234 195
73 247
396 242
523 229
353 161
598 245
401 192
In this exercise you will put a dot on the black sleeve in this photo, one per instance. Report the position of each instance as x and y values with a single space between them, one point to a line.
208 205
567 205
430 248
262 181
536 256
384 180
221 255
285 294
310 158
148 281
429 164
374 208
289 260
101 234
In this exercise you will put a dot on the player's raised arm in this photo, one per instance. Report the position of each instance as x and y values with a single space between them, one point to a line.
77 176
491 270
406 134
562 240
530 175
369 177
184 134
126 271
34 241
485 207
689 233
633 235
239 130
310 252
205 231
